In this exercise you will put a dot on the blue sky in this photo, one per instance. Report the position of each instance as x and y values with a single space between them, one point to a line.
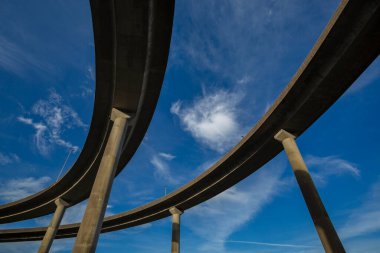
228 62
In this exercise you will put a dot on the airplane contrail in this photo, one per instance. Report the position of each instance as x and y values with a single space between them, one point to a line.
270 244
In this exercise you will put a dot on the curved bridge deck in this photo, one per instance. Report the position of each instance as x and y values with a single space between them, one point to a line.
132 41
347 46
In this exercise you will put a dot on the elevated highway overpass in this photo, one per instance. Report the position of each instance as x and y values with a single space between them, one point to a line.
347 46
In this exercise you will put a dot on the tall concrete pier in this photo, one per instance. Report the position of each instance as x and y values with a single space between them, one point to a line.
326 231
89 229
53 226
176 214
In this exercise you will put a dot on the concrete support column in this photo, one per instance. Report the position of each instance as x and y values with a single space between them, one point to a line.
326 231
91 225
53 226
175 229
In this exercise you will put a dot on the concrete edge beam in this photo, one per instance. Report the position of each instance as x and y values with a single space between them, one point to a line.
175 210
115 113
282 135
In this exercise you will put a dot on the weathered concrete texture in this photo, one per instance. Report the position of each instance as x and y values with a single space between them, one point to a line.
93 218
321 219
176 216
53 226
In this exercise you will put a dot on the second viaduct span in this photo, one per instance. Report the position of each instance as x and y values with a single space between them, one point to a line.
347 46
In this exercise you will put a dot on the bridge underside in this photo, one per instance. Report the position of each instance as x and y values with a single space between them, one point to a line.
347 46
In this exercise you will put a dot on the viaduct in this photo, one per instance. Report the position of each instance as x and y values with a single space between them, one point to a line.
132 41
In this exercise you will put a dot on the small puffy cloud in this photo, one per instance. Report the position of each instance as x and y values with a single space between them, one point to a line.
212 119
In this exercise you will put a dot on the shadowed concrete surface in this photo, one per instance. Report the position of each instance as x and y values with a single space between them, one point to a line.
53 226
92 221
176 226
326 231
132 41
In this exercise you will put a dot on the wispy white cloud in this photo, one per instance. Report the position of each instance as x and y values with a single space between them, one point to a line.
244 80
17 60
267 106
85 92
204 166
15 189
227 212
6 159
212 119
240 44
55 117
40 137
90 73
365 219
55 112
162 170
86 89
324 167
167 156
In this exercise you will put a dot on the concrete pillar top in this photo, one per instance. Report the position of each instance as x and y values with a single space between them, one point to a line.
118 114
282 135
61 202
175 210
